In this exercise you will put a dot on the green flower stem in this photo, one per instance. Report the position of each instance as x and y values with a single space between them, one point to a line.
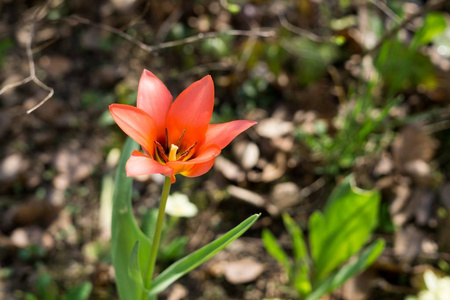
158 231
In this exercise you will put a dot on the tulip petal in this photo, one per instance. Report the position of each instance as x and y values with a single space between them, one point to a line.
184 166
222 134
191 112
154 98
199 169
136 123
140 164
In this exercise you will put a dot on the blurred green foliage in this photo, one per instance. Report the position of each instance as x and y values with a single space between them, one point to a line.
357 125
335 235
47 289
5 45
403 66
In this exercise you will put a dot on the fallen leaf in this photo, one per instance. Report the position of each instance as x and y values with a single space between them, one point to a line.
285 195
230 170
242 271
247 153
273 128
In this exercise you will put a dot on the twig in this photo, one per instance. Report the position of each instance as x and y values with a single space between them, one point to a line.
15 84
33 73
313 187
138 18
165 27
430 6
31 65
201 36
386 10
300 31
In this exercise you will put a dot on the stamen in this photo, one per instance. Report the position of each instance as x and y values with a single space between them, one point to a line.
167 140
186 153
173 153
181 137
160 151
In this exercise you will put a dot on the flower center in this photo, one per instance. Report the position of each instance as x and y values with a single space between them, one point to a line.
164 155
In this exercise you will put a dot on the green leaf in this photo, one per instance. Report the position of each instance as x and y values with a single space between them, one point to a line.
46 287
29 296
193 260
350 216
125 231
80 292
434 24
133 267
401 68
301 280
271 244
347 271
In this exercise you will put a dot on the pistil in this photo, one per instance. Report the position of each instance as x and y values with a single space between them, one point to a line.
173 153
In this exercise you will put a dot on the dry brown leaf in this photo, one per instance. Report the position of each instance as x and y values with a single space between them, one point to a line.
285 195
230 170
247 153
273 128
242 271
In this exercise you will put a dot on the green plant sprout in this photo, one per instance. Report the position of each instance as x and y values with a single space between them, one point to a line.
336 238
357 125
47 289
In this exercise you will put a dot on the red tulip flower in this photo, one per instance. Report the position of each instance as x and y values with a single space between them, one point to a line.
176 138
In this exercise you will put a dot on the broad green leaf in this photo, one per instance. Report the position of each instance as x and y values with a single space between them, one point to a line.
125 231
133 267
301 269
347 271
271 244
80 292
402 68
434 24
193 260
350 216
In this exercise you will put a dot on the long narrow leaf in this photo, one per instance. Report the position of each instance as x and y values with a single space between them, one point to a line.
300 276
188 263
271 244
125 231
349 270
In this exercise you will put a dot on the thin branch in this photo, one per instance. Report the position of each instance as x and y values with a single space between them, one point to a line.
386 10
266 33
430 6
300 31
313 187
33 72
15 84
165 27
31 65
138 18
